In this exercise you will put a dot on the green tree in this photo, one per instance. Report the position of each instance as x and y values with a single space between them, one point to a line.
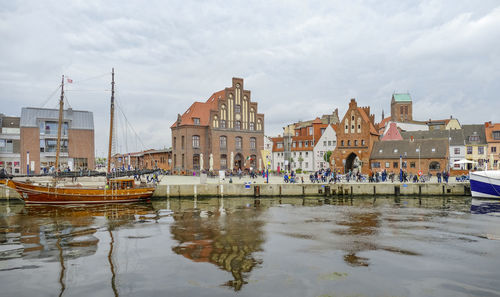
327 156
300 159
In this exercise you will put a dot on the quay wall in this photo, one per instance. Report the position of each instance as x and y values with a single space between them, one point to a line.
284 190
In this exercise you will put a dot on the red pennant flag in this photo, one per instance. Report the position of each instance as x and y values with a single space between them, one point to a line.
70 81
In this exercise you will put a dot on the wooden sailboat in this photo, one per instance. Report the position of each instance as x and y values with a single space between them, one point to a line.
115 190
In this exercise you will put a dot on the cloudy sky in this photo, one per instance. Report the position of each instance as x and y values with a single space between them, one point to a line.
300 59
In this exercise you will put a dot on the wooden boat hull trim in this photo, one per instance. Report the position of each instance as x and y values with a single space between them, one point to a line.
50 195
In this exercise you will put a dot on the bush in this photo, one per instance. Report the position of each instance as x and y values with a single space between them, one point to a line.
299 170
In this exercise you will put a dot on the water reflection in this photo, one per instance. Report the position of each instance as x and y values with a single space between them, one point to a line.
225 237
491 207
61 233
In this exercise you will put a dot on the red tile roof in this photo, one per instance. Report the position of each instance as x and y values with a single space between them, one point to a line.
384 122
392 133
201 110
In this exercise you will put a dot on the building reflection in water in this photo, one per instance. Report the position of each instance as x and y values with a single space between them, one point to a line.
62 233
227 237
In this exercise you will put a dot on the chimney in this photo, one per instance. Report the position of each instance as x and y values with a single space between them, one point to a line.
411 138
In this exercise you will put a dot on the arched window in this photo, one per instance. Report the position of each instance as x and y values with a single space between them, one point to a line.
196 141
252 126
238 142
223 161
223 112
359 125
346 127
223 142
259 125
252 143
434 166
237 125
196 161
252 115
215 122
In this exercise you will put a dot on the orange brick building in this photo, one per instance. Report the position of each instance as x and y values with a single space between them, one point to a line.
38 136
356 134
148 159
493 139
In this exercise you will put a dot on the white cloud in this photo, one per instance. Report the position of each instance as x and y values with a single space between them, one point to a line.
299 59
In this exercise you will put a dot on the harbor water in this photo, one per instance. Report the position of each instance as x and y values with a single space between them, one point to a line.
397 246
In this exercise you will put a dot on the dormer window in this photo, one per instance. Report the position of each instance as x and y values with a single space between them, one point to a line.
196 121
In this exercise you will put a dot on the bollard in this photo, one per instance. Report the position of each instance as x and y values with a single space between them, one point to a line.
256 191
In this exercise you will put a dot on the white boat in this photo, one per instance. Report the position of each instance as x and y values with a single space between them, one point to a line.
485 184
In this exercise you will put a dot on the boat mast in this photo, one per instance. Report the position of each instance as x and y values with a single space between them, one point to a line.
59 126
111 117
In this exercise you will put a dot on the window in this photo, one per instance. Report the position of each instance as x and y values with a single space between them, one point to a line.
223 161
322 131
237 125
182 160
294 144
223 142
395 150
306 143
434 166
469 150
307 153
7 146
279 145
259 125
395 164
175 143
404 164
355 143
50 128
307 165
457 151
237 108
196 121
496 135
375 164
329 142
175 160
412 164
238 143
346 127
252 126
196 141
480 150
387 165
362 142
433 150
215 122
223 123
196 162
348 143
342 143
300 143
182 144
493 149
473 138
324 143
252 143
310 130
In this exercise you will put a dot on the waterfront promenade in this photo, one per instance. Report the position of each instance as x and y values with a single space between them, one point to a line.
194 186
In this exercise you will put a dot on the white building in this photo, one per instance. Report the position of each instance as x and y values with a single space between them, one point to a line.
327 142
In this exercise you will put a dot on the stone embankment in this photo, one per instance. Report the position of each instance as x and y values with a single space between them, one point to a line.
284 190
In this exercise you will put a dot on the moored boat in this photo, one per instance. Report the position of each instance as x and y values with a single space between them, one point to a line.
485 184
114 191
117 190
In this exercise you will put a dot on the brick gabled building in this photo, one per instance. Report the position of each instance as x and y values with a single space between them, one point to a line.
227 127
356 134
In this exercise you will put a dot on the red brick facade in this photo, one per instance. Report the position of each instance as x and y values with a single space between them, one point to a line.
356 134
229 118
